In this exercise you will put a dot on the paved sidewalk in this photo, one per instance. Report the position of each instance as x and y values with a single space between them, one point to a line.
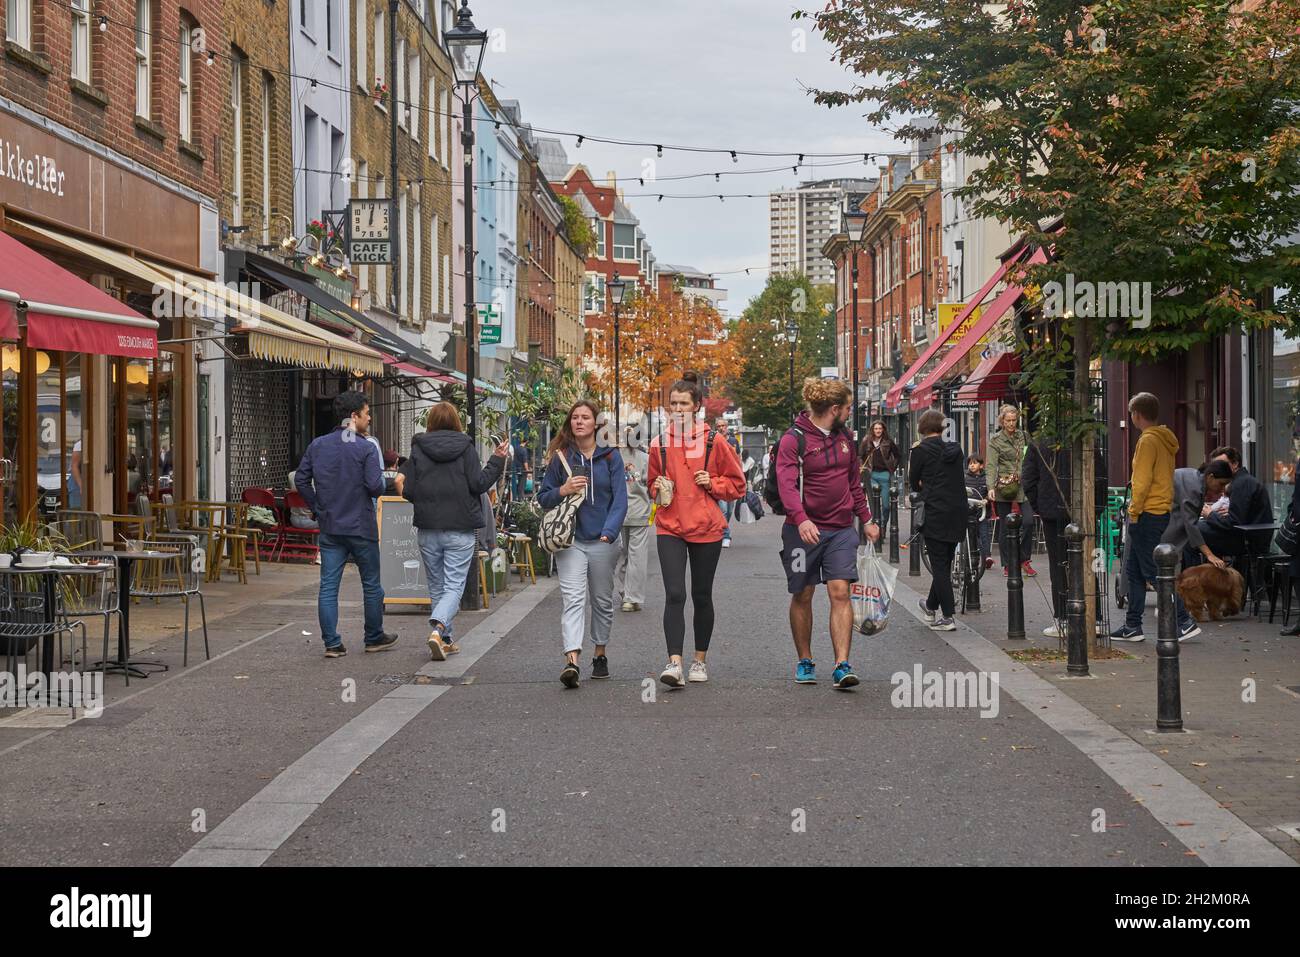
1245 754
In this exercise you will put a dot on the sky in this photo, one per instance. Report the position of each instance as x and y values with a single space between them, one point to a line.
713 73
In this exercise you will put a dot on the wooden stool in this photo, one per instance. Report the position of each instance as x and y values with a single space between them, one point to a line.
522 565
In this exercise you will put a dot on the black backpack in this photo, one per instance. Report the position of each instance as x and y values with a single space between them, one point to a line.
772 494
663 452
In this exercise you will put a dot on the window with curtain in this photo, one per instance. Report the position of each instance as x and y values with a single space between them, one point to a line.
268 107
401 83
237 66
379 50
80 59
143 46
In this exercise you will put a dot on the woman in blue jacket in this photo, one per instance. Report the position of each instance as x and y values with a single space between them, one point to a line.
587 566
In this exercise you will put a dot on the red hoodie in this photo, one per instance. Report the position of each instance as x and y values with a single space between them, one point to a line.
832 482
694 515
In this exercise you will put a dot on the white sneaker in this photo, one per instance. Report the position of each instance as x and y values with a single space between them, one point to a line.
672 675
1052 631
698 672
726 543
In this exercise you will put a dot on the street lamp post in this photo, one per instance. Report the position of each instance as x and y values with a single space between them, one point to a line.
855 223
792 336
465 45
617 288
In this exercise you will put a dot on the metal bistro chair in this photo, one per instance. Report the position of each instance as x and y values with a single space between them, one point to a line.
173 577
301 541
91 594
23 624
83 531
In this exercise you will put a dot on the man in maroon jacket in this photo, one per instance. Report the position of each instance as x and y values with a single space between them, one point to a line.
821 493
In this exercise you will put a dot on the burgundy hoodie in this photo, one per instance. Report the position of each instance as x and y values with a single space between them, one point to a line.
832 481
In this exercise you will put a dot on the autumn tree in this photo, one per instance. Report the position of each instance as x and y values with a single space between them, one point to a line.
660 337
1153 143
761 385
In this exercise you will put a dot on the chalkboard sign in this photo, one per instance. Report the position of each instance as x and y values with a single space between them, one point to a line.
401 569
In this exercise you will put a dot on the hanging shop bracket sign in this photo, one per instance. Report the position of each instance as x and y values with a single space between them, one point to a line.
489 325
369 232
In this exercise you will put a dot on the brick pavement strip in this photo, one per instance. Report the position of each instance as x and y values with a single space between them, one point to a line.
1244 755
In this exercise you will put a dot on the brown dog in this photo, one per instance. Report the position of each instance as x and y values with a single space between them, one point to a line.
1211 593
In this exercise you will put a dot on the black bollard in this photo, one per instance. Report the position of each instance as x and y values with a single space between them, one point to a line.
1075 605
873 502
1015 581
893 526
914 543
973 557
1169 700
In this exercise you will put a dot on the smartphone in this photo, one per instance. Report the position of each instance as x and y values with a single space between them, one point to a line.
580 471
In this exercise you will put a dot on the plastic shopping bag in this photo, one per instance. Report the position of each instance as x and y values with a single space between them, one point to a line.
873 592
743 514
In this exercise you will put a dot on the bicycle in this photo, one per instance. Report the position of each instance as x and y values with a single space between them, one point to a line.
964 571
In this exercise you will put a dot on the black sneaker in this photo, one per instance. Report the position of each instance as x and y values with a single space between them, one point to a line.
569 676
386 641
335 651
600 667
1127 634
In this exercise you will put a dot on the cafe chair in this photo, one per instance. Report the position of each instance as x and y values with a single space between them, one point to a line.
83 531
172 577
232 543
301 541
23 624
521 556
265 498
89 595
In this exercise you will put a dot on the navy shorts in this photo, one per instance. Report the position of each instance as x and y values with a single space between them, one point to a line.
833 558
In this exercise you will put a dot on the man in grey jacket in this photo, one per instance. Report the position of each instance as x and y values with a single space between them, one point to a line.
630 572
1189 497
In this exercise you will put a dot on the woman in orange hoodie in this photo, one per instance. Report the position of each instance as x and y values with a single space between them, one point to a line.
691 473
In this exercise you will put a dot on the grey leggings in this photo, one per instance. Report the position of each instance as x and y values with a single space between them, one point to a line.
674 554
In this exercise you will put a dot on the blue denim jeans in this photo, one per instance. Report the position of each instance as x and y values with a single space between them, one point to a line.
335 550
1140 568
447 558
726 513
881 480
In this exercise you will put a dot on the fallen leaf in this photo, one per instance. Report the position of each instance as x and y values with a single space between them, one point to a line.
1184 823
1200 764
1022 747
1190 854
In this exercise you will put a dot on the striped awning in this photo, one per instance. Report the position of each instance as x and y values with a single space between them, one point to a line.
288 348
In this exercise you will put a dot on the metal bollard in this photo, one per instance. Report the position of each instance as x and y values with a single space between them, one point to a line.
914 546
873 501
1075 605
1015 581
893 526
1169 700
972 559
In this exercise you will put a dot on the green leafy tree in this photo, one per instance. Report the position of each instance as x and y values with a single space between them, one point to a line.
761 385
576 226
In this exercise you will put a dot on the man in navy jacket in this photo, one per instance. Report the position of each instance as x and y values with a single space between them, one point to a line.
340 476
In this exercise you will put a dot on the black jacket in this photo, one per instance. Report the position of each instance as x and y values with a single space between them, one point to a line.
888 455
937 470
445 482
1047 478
1248 504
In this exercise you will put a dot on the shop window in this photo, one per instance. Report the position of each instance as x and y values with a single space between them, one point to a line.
1278 471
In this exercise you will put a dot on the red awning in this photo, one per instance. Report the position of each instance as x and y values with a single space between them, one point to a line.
895 392
991 379
988 318
407 367
65 313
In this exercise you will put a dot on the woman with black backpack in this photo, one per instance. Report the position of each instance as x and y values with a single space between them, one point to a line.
444 481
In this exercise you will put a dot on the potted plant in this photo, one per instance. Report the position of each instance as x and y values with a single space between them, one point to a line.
380 91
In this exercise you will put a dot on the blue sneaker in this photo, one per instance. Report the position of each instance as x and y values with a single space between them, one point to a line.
844 676
805 672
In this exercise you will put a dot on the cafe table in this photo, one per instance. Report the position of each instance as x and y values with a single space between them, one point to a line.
126 559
